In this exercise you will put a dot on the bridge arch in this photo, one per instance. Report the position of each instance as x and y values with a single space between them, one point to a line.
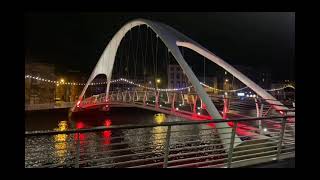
173 39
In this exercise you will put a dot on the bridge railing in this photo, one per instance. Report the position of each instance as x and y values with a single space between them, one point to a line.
190 102
165 145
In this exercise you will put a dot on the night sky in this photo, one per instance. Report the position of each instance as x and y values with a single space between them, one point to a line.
76 40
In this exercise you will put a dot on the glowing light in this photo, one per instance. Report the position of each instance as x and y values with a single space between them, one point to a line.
160 105
227 80
240 94
177 109
158 80
198 113
107 122
198 107
159 118
180 104
79 125
62 80
265 129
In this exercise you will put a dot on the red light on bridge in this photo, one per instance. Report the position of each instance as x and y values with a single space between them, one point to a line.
78 103
80 125
107 122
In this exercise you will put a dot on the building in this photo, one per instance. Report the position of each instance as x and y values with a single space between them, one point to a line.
67 92
39 92
176 77
261 76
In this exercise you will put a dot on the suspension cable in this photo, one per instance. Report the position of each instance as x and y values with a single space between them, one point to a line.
204 69
153 58
145 60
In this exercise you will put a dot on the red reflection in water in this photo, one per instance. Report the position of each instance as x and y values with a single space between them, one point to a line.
79 125
107 134
81 136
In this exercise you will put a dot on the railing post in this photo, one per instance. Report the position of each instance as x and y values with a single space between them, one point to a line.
168 97
144 98
283 127
167 147
195 104
157 99
78 150
182 97
173 101
261 115
225 107
233 134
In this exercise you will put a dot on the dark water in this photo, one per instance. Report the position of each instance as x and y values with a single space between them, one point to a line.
61 148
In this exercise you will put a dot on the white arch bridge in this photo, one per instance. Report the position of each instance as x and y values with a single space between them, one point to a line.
268 138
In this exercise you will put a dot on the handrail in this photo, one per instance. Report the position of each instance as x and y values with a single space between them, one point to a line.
132 126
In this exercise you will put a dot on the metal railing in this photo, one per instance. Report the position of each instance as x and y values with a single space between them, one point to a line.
167 145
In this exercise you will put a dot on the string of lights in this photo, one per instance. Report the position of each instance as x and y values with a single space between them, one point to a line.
142 86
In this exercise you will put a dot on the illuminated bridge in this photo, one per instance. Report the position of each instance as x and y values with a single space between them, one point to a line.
239 127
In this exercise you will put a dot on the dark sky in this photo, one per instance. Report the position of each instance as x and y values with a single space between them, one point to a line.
76 40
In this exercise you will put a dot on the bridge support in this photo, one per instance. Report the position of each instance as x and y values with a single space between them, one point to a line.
137 95
195 104
173 40
182 97
225 107
157 99
259 113
145 98
172 102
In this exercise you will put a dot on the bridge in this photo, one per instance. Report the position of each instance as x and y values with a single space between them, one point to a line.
251 125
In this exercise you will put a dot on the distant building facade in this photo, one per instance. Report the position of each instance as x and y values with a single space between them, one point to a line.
176 77
39 92
69 93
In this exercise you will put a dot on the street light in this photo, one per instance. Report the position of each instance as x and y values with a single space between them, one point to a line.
62 80
158 81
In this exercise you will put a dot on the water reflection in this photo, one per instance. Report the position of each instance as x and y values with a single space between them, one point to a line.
60 141
159 135
138 139
107 134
